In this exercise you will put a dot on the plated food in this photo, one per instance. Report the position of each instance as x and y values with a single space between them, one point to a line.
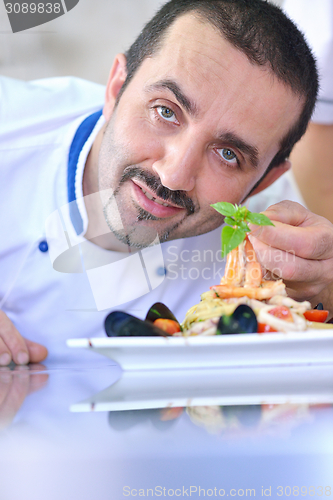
243 284
243 302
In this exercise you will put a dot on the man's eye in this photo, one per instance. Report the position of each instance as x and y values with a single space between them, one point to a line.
166 113
228 155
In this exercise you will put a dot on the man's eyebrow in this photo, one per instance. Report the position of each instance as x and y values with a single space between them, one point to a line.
178 93
246 148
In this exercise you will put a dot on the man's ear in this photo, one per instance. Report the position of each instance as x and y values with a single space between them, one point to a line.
116 80
272 176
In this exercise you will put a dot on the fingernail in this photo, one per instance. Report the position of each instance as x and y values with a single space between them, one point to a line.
22 358
5 359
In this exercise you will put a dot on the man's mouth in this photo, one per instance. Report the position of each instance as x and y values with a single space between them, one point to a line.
153 204
151 197
154 198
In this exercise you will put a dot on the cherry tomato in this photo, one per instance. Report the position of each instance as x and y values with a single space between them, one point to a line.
167 325
316 315
263 328
281 312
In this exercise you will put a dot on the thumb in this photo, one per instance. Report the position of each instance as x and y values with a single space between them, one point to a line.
37 352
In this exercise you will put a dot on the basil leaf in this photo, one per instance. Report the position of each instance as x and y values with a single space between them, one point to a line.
237 217
225 208
229 220
259 219
231 237
242 224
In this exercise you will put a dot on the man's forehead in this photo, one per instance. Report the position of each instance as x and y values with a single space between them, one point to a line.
192 33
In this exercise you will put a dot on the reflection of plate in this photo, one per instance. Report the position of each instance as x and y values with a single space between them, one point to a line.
219 386
153 353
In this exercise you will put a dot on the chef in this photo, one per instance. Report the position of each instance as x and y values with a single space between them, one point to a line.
106 193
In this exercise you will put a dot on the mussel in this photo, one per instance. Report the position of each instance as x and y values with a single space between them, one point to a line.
243 320
121 324
247 415
124 420
159 310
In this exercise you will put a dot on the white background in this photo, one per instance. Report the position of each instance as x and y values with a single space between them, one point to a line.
81 43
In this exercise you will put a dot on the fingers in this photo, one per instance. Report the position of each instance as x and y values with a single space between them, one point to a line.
37 352
288 212
13 347
297 231
5 356
291 266
299 249
307 242
14 343
305 276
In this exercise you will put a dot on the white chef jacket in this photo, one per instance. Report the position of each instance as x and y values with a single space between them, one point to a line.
47 301
315 20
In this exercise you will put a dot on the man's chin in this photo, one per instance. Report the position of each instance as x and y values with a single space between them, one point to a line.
140 238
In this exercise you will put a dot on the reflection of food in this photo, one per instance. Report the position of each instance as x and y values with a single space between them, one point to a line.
209 417
161 418
243 283
171 413
252 420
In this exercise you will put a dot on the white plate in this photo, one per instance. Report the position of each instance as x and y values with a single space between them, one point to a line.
155 353
218 386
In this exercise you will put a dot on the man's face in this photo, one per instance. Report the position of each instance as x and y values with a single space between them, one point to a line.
197 124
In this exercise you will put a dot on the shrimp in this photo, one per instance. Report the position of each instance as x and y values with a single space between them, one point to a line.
243 277
265 291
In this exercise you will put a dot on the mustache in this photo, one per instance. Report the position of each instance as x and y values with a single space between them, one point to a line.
178 198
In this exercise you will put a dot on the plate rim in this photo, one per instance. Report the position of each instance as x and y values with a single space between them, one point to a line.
200 340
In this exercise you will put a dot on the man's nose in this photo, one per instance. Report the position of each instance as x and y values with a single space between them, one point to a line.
179 165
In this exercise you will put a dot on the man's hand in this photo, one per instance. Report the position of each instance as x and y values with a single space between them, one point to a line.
13 347
299 249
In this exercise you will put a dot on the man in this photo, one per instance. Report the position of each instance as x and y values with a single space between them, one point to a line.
205 108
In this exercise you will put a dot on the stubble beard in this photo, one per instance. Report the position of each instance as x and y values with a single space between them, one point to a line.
134 235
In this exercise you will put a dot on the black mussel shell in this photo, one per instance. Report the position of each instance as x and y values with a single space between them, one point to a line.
319 306
121 324
243 320
249 415
126 419
246 317
159 310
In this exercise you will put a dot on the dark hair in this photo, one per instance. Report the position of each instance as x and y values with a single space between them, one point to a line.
257 28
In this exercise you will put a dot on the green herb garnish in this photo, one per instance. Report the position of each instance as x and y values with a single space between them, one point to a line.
237 219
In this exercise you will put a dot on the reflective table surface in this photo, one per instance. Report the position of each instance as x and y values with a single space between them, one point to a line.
87 430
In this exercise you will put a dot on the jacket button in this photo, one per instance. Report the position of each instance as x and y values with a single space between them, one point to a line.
161 271
43 246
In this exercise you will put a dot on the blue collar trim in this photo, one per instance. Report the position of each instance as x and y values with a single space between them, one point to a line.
81 136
